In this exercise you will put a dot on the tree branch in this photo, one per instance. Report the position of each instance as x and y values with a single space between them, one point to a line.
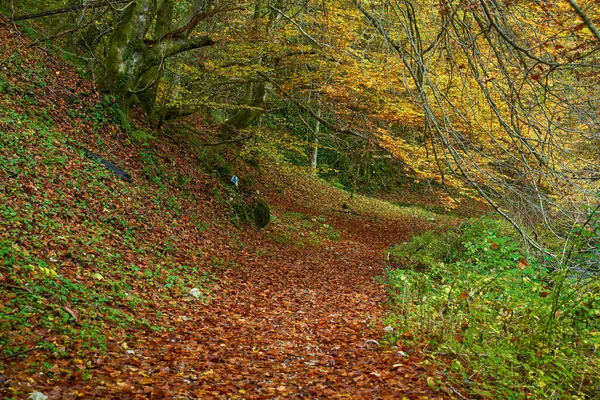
306 34
586 20
187 28
69 9
347 131
527 52
67 31
172 46
20 353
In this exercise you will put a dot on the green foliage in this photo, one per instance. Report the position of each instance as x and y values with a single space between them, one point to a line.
157 171
515 328
141 137
346 163
282 148
105 112
138 136
450 244
215 164
72 279
430 248
584 250
361 169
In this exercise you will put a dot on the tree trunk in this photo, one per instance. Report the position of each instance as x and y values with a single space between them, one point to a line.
151 78
134 65
315 149
257 92
245 116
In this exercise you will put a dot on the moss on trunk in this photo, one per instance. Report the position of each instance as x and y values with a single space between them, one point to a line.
134 65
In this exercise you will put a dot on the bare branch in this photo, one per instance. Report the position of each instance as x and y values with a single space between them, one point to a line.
586 19
330 126
306 34
187 28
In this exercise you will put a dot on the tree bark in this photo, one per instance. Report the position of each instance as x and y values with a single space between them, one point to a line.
256 91
586 19
134 66
315 150
245 116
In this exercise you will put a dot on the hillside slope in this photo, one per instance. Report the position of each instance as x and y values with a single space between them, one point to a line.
147 290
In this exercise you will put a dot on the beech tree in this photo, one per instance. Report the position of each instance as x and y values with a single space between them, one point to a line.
134 63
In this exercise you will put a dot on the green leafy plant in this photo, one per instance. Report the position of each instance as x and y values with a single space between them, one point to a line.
71 280
515 328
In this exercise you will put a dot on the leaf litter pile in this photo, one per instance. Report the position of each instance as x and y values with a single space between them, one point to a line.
147 290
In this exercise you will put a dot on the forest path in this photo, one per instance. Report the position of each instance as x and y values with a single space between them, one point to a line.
294 323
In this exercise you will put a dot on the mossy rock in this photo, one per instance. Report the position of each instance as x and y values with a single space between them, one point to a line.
262 212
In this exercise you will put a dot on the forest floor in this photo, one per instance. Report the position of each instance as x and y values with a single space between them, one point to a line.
95 273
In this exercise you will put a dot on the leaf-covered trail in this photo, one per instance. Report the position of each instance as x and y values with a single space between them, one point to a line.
296 323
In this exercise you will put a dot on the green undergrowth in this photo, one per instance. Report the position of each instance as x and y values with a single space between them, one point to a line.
507 325
80 261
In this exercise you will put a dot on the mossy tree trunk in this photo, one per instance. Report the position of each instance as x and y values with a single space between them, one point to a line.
150 79
256 91
134 60
254 107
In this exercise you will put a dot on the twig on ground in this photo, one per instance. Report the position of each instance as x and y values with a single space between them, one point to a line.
20 353
456 392
67 309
